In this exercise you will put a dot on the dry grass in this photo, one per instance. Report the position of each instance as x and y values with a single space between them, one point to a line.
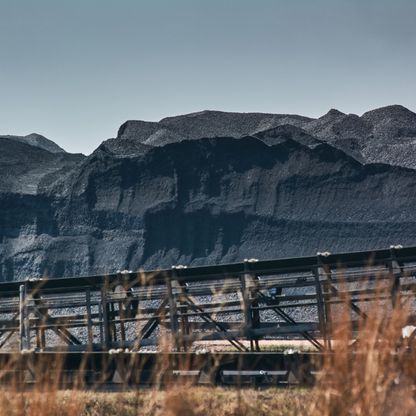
375 377
194 401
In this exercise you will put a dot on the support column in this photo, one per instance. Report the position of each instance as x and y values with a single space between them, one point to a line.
245 280
23 331
173 315
89 319
255 312
395 272
105 315
183 309
323 270
320 306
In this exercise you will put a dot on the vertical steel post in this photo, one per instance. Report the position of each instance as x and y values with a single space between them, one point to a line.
112 316
43 312
89 318
173 315
323 270
395 272
123 306
26 317
183 309
255 312
244 279
320 306
122 316
105 313
22 320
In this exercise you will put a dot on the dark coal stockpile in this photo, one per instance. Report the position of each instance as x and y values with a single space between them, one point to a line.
207 188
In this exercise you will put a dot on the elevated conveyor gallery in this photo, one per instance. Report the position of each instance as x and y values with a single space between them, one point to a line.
176 312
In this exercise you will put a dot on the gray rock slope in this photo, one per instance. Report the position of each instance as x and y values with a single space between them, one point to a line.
36 140
286 189
28 169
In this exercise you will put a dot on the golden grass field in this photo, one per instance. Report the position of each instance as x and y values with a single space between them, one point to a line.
377 376
186 401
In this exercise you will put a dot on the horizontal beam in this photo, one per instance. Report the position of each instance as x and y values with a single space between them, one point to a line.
207 273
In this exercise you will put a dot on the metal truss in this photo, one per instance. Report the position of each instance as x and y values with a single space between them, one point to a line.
170 310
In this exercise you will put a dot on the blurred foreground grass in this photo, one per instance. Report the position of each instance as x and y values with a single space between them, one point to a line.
182 400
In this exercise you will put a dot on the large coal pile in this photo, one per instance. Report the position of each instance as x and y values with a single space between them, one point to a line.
207 188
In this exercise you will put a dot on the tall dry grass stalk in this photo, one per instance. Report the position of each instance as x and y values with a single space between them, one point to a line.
371 371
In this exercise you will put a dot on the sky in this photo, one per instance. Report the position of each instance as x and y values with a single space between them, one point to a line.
74 71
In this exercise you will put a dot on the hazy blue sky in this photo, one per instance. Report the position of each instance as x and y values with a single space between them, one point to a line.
75 70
